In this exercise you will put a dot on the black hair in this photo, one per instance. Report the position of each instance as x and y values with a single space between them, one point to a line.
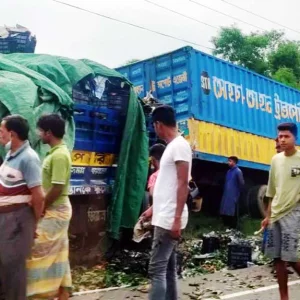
17 124
54 123
164 114
234 158
291 127
157 151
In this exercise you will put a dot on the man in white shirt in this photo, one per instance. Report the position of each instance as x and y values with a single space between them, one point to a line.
169 212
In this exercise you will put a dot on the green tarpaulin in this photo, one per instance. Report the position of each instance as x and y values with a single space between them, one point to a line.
32 84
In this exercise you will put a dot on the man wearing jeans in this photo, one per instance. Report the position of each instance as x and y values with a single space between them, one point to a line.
170 213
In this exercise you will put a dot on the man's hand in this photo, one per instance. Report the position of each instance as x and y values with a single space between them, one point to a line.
147 215
37 201
176 229
35 232
265 222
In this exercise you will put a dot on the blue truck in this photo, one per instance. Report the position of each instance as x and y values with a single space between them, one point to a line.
223 110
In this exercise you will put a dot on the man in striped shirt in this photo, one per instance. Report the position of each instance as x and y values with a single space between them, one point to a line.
21 205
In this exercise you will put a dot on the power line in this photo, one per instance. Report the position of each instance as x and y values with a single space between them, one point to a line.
219 12
262 17
131 24
180 14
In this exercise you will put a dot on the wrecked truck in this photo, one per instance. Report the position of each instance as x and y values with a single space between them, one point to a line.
105 131
223 110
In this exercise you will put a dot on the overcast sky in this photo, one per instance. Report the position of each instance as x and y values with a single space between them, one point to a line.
67 31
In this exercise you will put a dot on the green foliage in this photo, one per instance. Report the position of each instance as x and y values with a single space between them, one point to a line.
131 61
267 53
286 76
286 56
250 51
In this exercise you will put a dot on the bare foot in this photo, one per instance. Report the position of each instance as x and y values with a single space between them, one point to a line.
63 294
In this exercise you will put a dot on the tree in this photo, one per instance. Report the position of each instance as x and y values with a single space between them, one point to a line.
286 56
268 53
286 76
250 51
131 61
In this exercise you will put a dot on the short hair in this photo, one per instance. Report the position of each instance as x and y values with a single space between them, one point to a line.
291 127
164 114
234 158
157 151
54 123
17 124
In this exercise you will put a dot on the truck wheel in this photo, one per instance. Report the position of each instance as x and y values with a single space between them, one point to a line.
243 201
256 201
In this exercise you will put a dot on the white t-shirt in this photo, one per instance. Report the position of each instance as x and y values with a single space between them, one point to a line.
165 189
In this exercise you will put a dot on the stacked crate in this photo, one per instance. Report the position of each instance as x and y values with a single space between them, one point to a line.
16 40
100 115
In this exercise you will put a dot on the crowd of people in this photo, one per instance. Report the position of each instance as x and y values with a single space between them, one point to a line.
35 211
169 213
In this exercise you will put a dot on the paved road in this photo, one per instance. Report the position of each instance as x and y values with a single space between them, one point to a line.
255 283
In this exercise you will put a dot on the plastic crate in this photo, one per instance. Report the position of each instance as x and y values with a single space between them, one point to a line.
19 43
239 255
84 113
210 244
83 144
84 132
80 97
110 116
105 137
117 100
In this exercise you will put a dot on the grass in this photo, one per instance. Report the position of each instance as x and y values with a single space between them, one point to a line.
201 223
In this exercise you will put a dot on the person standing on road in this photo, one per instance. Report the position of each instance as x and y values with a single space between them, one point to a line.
48 268
170 213
283 217
278 150
156 153
234 183
21 205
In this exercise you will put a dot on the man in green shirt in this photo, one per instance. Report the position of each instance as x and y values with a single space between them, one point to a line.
49 273
283 216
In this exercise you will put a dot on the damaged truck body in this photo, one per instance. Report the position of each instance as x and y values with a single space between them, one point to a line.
223 110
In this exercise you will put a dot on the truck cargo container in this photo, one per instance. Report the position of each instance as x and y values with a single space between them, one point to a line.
223 110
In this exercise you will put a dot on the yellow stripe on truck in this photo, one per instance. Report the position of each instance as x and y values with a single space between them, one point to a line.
218 140
93 159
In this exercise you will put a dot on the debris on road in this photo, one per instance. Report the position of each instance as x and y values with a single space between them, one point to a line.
192 262
130 267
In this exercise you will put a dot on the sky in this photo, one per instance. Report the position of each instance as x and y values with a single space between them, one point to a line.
66 31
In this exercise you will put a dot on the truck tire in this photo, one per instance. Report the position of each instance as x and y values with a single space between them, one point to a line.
256 201
243 201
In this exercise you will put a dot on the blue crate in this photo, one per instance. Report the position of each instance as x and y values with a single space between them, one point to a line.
105 146
118 100
84 127
83 113
83 144
84 134
103 114
105 137
105 142
80 98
